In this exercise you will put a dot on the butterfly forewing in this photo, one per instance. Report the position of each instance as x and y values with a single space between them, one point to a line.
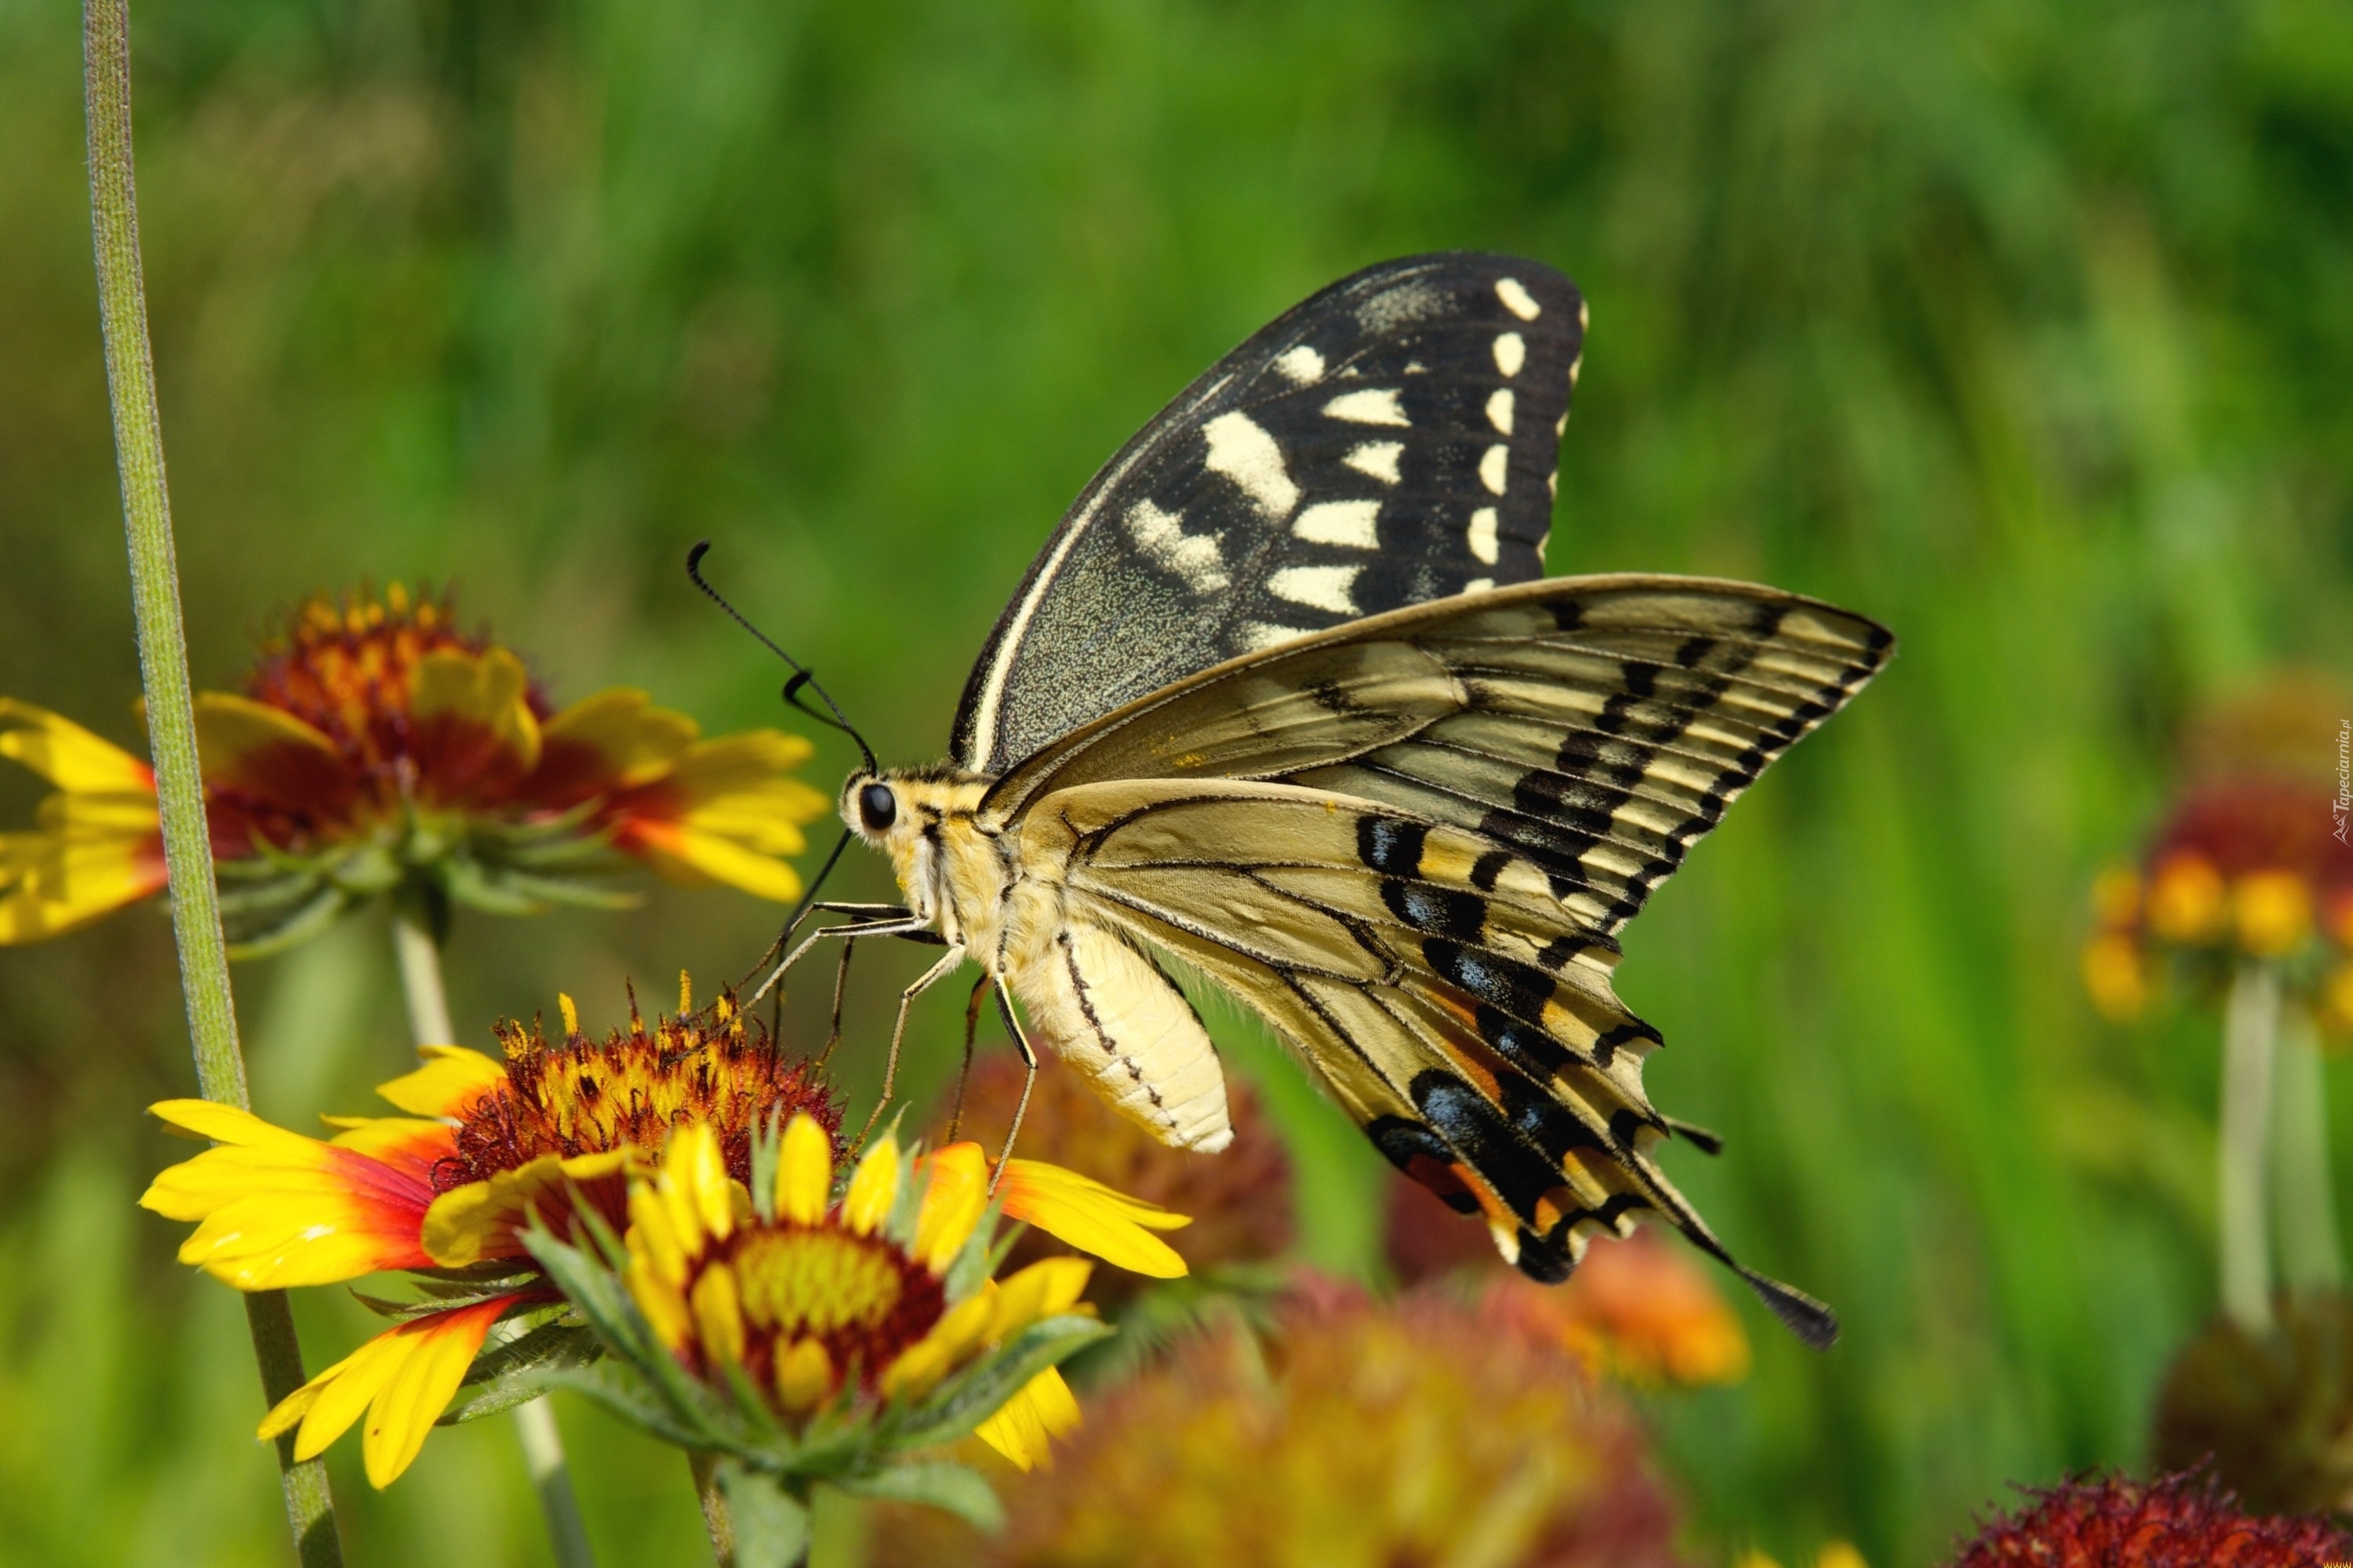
1389 441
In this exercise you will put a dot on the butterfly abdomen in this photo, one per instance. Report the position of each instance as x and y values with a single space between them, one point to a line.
1109 1012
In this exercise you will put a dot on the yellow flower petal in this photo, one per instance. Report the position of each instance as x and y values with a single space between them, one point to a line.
804 1171
489 690
955 1194
53 882
277 1208
451 1079
481 1219
638 742
718 1314
747 771
233 732
873 1188
68 755
1091 1217
421 1387
804 1375
1043 1409
697 1172
1045 1289
729 811
921 1364
659 1299
404 1379
222 1124
692 856
653 1235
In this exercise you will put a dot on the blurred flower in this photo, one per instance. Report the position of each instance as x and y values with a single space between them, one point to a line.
2246 863
1637 1308
830 1326
1240 1200
2273 1411
2181 1521
447 1193
375 746
1359 1437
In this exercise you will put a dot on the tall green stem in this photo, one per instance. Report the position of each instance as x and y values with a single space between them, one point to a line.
2305 1199
543 1444
171 706
2250 1045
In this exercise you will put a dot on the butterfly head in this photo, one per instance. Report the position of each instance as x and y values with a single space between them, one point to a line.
918 817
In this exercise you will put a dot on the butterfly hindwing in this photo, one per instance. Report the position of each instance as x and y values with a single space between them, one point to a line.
1449 1002
1391 441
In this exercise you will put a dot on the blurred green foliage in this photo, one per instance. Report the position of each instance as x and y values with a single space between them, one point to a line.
2025 329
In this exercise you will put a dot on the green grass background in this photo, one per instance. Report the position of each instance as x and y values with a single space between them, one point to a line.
2025 329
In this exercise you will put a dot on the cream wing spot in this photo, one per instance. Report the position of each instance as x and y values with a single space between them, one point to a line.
1478 585
1354 523
1499 409
1378 459
1193 558
1371 406
1258 634
1511 353
1240 450
1302 365
1517 300
1481 536
1493 467
1318 588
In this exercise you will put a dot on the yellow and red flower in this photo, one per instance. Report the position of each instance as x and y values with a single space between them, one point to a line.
2247 865
375 745
486 1151
850 1302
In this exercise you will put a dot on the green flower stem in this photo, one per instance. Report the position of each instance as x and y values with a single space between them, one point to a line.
2250 1045
543 1444
420 978
2305 1204
171 706
705 1466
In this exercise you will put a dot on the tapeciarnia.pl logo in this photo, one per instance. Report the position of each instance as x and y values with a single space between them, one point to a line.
2343 805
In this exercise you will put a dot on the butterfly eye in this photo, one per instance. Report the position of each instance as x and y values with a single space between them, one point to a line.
877 807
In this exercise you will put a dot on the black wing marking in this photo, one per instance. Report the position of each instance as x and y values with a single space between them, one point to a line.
1389 441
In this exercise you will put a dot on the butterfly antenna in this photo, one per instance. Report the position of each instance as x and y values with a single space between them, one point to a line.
802 674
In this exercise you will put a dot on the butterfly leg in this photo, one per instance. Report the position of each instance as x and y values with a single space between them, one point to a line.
898 923
1029 1082
841 988
971 1027
923 982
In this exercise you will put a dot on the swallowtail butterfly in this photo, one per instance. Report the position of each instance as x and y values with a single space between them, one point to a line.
1287 700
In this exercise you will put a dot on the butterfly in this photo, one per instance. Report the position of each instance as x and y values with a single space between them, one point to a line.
1286 701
